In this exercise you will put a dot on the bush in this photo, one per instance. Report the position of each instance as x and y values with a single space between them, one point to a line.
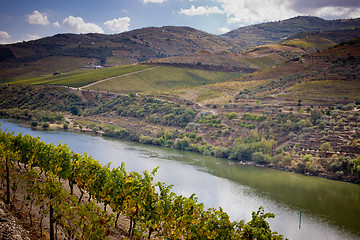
322 125
260 157
221 152
315 115
349 107
326 147
231 116
34 124
146 139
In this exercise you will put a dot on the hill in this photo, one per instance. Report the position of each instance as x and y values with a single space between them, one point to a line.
66 52
330 76
236 51
271 32
222 61
132 78
301 114
263 56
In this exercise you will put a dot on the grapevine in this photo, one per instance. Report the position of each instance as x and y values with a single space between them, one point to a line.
152 208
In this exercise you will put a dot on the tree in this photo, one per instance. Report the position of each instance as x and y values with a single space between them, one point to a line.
326 147
315 115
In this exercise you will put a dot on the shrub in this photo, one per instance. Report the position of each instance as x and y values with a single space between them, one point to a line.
34 123
326 147
221 152
260 157
322 125
349 107
231 116
146 139
315 115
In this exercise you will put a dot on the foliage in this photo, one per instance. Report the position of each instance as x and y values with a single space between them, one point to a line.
326 147
315 115
83 77
40 98
153 210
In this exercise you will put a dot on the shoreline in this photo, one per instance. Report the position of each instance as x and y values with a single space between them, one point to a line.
56 127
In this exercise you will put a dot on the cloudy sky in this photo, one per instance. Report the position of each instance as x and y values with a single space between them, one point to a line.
31 19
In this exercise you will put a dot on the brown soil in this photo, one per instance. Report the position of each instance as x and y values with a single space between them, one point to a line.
15 221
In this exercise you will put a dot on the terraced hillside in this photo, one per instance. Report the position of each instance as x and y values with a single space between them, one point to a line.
301 115
68 52
132 78
271 32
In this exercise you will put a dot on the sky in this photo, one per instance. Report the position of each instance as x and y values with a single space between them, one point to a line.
23 20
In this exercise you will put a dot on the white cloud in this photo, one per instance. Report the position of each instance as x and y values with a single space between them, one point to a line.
77 25
56 24
256 11
38 18
223 30
119 25
32 37
201 10
337 12
4 34
154 1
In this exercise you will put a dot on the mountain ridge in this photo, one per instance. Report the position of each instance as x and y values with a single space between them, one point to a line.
270 32
69 52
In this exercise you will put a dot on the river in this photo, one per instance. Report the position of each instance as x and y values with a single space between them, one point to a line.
330 209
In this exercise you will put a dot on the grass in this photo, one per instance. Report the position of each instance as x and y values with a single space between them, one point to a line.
218 93
42 67
83 77
264 61
324 89
162 78
310 43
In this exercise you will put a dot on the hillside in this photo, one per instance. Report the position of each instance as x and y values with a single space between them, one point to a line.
132 78
323 77
267 33
177 46
301 115
68 52
222 61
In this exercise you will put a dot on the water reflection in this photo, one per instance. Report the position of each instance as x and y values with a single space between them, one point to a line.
330 208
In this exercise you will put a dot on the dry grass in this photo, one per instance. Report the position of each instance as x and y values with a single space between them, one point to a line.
163 78
325 89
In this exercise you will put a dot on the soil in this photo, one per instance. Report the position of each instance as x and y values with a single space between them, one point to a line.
15 223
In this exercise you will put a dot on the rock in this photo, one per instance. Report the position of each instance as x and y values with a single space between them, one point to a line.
17 237
2 213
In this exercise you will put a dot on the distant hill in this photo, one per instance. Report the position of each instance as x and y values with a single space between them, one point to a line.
263 56
68 52
240 50
271 32
337 36
335 71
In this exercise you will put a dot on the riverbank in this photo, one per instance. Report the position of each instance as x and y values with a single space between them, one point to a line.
314 140
86 130
220 182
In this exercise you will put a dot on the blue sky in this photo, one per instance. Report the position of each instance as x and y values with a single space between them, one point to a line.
31 19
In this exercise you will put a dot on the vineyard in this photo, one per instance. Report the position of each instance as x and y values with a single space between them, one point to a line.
153 210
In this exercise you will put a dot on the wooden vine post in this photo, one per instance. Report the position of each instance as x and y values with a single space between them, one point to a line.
7 181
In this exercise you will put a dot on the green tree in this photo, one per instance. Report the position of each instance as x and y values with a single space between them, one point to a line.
315 115
326 147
